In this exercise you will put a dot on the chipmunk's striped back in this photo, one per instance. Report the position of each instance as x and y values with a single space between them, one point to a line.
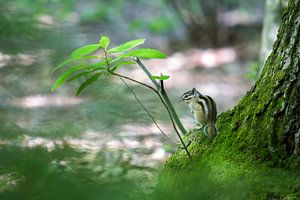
204 109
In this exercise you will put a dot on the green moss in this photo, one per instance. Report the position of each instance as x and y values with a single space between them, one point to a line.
252 156
221 173
238 164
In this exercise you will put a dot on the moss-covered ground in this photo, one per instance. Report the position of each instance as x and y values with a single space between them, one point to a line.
224 173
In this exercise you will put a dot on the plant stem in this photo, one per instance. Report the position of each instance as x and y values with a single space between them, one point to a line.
106 59
133 80
147 111
164 103
173 112
164 96
138 61
172 120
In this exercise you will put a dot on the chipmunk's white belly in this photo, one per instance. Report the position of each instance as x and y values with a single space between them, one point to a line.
200 117
199 114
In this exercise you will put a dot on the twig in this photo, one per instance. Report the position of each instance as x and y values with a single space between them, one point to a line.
181 140
106 59
133 80
142 66
164 96
164 103
147 111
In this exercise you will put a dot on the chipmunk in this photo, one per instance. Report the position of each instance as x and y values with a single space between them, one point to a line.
204 109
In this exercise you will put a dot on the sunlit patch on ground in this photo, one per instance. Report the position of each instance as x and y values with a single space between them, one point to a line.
46 21
4 59
43 100
19 59
9 181
25 59
147 151
138 130
49 144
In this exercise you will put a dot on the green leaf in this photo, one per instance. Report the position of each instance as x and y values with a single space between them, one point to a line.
60 81
91 67
162 77
117 59
100 65
72 60
123 63
127 46
64 77
88 82
104 41
87 49
145 53
76 76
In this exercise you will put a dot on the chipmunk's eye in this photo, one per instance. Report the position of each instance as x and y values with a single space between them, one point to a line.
186 96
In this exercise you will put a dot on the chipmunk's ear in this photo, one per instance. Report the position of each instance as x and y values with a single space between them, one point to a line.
194 91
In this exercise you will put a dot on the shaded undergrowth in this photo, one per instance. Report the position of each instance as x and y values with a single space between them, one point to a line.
66 173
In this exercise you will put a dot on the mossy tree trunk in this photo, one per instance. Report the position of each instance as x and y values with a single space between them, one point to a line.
266 122
273 10
265 125
256 151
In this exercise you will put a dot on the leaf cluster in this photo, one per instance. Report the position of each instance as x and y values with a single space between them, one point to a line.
84 62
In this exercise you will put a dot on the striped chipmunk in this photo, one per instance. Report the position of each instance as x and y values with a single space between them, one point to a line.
204 109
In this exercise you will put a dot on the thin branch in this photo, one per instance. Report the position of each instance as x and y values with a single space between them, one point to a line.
162 85
138 61
147 111
160 97
173 123
133 80
106 59
178 134
164 103
164 96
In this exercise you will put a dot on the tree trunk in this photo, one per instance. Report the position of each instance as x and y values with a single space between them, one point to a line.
266 122
257 148
273 12
201 20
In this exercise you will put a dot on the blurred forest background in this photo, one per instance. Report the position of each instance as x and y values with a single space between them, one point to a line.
102 143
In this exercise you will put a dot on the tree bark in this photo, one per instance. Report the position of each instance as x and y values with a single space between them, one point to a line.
258 141
265 125
266 122
270 28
